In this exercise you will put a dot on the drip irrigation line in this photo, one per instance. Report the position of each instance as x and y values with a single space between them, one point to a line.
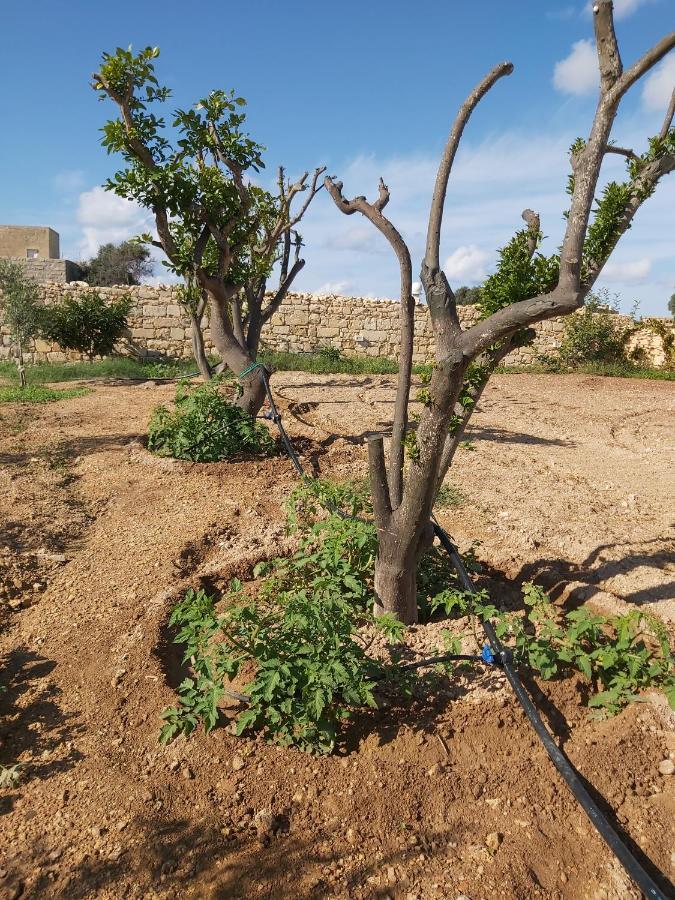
496 654
598 819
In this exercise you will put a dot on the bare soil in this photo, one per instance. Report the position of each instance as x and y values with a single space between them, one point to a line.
569 483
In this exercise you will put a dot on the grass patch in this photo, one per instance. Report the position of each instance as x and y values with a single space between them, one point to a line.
37 393
111 367
327 361
610 370
449 496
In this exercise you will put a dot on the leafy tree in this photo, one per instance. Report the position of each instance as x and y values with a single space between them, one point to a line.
20 309
527 287
467 296
124 263
87 324
221 232
671 305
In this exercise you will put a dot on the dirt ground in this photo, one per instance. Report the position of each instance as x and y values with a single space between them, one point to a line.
569 482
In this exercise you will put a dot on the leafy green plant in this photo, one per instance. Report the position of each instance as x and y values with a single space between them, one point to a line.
88 324
330 354
619 655
205 427
310 668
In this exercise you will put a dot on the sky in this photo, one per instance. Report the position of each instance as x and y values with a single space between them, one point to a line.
367 89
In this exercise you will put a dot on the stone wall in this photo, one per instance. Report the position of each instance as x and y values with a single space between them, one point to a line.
50 271
158 327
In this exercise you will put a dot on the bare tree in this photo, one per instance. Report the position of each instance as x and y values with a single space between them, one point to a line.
546 287
217 228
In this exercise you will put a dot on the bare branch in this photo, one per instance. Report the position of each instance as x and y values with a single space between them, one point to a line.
533 225
313 191
378 479
668 121
609 58
383 196
373 212
642 66
431 258
621 151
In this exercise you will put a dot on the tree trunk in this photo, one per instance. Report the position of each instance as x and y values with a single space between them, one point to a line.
235 357
21 368
395 589
198 350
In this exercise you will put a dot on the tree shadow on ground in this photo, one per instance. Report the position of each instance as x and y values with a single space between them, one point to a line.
31 720
180 857
556 574
503 436
66 451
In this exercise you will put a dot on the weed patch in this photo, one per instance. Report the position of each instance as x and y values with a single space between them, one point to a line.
34 393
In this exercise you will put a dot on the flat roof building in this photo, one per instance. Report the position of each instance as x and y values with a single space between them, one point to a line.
28 242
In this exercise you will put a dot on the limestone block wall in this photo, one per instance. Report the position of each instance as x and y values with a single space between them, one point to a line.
159 328
46 271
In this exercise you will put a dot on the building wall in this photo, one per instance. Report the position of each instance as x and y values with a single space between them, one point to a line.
158 327
16 240
51 271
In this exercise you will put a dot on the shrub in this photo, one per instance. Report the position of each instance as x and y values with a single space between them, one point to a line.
205 427
595 334
87 324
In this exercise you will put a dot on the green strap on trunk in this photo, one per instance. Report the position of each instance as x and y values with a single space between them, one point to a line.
250 368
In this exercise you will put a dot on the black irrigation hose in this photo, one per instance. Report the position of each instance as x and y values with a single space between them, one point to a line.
601 823
504 659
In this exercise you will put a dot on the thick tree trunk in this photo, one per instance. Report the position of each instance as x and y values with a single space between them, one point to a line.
395 588
236 357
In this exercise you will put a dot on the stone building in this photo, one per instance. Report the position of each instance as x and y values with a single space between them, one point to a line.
37 248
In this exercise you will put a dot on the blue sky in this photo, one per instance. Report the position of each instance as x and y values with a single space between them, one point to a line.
366 88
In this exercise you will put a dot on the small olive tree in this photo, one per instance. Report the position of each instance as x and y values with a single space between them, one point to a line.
221 232
528 287
21 309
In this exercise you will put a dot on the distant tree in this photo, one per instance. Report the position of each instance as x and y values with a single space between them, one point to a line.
671 305
87 324
467 296
20 309
124 263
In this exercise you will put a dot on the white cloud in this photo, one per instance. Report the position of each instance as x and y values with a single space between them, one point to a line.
578 72
104 217
659 85
340 288
635 271
466 264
